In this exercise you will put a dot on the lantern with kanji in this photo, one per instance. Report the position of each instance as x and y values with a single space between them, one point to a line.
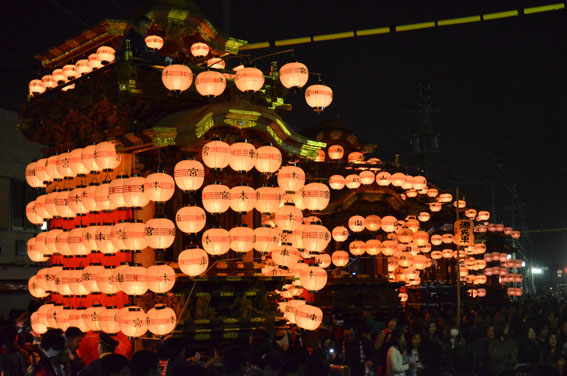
160 233
308 317
357 247
243 156
241 239
249 79
352 181
135 236
373 247
132 280
191 219
193 262
313 278
318 97
115 192
89 277
108 320
104 241
216 198
216 241
316 196
268 159
267 199
288 217
294 75
340 234
340 258
337 182
177 77
286 256
357 223
315 237
266 239
38 324
134 192
159 187
160 278
189 175
291 178
133 322
383 178
242 198
35 289
161 320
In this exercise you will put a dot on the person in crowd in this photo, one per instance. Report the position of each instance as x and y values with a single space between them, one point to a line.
171 352
54 355
145 363
452 343
480 351
382 343
431 351
551 354
354 351
502 351
395 365
108 362
529 349
137 35
413 359
542 336
74 337
15 360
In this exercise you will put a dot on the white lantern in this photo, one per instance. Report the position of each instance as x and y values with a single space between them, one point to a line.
357 223
193 262
318 97
266 239
294 75
241 239
267 199
159 187
288 217
216 241
191 219
160 233
199 49
337 182
316 196
210 83
249 79
155 42
177 77
242 198
291 178
160 278
216 198
133 192
161 320
243 156
313 278
135 236
133 322
268 159
106 54
189 175
340 258
352 181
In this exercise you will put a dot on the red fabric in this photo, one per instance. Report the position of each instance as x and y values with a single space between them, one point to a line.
89 346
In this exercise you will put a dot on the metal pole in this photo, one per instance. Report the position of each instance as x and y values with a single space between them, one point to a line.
458 266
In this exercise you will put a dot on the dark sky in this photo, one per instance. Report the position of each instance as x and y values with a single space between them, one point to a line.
500 87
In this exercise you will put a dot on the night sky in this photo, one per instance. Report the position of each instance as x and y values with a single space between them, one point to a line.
499 88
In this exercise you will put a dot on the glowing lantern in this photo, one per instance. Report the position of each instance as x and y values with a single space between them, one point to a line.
315 237
62 282
88 278
515 234
268 159
445 198
470 213
31 215
294 75
508 230
242 198
134 194
39 207
500 227
193 262
412 224
75 163
76 283
75 241
199 49
389 223
62 205
159 187
98 197
58 76
106 54
436 255
316 196
336 152
491 227
177 77
88 159
420 238
288 217
51 168
108 320
405 235
447 238
323 260
241 239
267 199
40 244
291 178
38 324
398 179
483 215
51 278
94 61
191 219
33 254
134 236
216 63
337 182
313 278
161 320
105 155
189 175
210 83
133 322
216 154
75 201
460 204
216 198
83 67
35 289
419 182
424 216
266 239
357 247
39 170
50 204
48 81
373 223
373 247
110 239
411 193
340 258
286 256
447 253
352 181
160 233
435 206
69 72
383 179
249 79
357 223
320 156
366 177
132 280
154 42
31 178
62 165
160 278
318 97
216 241
243 156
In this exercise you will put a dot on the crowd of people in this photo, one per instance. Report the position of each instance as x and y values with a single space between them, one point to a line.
509 339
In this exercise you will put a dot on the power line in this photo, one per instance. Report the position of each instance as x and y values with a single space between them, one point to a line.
69 13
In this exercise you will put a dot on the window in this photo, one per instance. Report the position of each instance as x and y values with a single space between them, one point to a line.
20 195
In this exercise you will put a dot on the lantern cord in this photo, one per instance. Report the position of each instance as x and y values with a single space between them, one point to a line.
272 54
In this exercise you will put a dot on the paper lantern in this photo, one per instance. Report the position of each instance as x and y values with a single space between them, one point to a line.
405 235
412 224
420 238
337 182
419 182
36 87
408 184
89 278
291 178
315 238
50 201
51 168
357 247
243 156
336 152
132 280
447 238
155 42
193 262
373 247
356 157
268 159
76 163
323 260
105 155
104 238
316 196
216 198
94 61
318 97
39 207
161 320
75 319
160 233
515 234
340 258
51 315
266 239
35 289
51 278
75 240
31 214
191 219
83 67
445 198
115 192
288 217
313 278
483 215
366 177
357 223
135 236
88 159
340 234
411 193
62 207
62 282
62 243
160 278
398 179
189 175
76 283
69 72
199 49
286 255
383 179
424 216
62 319
133 322
108 320
389 223
267 199
460 204
216 241
216 154
242 198
216 63
508 230
33 253
62 165
373 223
133 192
241 239
249 79
159 187
435 206
352 181
177 77
38 325
48 82
436 255
447 253
31 178
294 75
210 83
106 54
39 170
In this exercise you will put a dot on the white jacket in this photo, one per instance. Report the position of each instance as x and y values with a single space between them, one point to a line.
395 365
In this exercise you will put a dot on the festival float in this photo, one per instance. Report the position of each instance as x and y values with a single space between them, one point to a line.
177 200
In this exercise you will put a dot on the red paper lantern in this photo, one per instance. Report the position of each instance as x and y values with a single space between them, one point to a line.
191 219
189 175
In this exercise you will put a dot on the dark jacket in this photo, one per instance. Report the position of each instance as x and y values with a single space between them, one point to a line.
108 365
503 355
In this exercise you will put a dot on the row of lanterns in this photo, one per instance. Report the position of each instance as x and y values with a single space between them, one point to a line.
102 56
131 320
